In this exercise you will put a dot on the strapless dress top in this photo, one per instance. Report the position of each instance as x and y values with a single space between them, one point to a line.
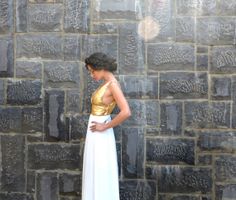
98 107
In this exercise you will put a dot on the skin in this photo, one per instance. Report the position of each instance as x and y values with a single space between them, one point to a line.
113 92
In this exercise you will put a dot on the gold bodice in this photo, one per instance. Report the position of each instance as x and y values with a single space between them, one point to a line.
98 107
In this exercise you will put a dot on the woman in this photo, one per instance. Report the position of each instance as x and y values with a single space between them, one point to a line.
100 169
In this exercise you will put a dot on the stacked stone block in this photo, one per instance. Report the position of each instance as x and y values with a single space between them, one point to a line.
179 143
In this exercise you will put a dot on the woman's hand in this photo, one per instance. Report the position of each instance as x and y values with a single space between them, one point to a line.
98 127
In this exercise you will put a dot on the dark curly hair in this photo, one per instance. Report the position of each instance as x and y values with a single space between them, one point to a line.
99 61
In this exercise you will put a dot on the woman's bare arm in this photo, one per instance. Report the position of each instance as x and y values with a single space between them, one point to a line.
122 105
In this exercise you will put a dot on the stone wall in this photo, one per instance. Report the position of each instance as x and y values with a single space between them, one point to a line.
180 82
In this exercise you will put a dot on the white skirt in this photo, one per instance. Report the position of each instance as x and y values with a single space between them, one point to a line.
100 170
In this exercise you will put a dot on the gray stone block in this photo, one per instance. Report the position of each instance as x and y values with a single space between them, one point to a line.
20 92
70 183
152 112
202 49
72 45
112 9
53 156
183 85
223 60
28 69
131 50
174 179
170 57
78 125
184 197
6 56
185 31
226 191
204 160
42 46
46 1
206 115
221 141
171 118
21 13
6 10
192 7
31 181
170 151
202 62
2 92
138 110
73 101
221 88
76 17
133 152
13 164
56 126
59 74
99 43
137 190
44 17
105 28
10 120
47 186
227 7
163 13
139 86
16 196
32 120
225 166
215 31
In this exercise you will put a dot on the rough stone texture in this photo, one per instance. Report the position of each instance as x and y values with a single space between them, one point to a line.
53 156
176 64
205 115
112 9
170 151
137 190
45 46
6 13
225 168
215 31
131 54
61 74
182 180
28 69
45 17
162 57
6 56
10 120
163 14
76 18
12 164
183 85
223 60
24 92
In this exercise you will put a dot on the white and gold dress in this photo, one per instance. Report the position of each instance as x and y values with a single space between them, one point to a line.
100 169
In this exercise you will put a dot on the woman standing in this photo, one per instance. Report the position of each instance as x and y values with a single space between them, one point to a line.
100 170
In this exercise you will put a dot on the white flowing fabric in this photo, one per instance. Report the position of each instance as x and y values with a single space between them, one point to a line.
100 169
